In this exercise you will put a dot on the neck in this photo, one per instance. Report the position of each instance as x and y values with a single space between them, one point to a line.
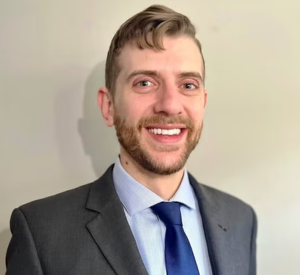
164 186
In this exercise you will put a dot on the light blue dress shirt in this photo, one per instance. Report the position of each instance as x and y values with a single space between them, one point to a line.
149 231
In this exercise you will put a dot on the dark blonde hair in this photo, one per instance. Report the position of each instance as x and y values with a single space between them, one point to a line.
147 30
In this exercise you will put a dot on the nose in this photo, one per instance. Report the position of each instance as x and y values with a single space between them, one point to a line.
168 101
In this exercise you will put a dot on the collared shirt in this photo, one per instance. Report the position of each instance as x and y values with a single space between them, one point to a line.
149 232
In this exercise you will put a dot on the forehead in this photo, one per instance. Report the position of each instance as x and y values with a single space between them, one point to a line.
180 54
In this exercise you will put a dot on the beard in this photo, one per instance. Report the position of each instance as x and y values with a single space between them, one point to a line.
130 139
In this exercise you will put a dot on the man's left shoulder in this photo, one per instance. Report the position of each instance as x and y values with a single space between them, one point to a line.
225 199
226 203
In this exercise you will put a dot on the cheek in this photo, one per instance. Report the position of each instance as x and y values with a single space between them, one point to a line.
139 105
197 119
122 105
195 111
130 110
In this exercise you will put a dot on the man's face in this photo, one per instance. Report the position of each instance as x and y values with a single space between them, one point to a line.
159 104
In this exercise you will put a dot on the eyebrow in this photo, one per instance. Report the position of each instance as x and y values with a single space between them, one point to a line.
157 74
191 74
142 72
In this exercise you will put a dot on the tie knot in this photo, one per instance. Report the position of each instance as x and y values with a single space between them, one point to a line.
168 212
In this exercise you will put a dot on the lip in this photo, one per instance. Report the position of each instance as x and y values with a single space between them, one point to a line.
166 126
166 139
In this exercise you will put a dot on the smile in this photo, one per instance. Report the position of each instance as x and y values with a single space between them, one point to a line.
167 132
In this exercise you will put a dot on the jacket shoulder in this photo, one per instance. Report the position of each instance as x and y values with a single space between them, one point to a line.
67 203
228 203
225 199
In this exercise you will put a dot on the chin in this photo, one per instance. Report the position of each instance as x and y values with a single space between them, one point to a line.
165 163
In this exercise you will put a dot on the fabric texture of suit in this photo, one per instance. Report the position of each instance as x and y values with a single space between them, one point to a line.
84 231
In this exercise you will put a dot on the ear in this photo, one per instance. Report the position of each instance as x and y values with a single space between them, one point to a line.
106 106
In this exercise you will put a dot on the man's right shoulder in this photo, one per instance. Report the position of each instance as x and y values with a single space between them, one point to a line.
67 203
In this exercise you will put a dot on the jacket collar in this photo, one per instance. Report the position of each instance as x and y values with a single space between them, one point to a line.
217 227
110 229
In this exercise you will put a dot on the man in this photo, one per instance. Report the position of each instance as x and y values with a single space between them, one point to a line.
146 214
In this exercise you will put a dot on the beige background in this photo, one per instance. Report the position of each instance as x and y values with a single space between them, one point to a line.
52 56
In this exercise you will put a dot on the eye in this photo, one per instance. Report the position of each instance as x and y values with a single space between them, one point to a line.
144 83
189 86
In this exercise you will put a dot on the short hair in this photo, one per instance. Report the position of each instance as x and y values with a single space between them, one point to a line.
147 29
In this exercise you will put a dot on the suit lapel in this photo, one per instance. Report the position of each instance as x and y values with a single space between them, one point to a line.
110 228
216 227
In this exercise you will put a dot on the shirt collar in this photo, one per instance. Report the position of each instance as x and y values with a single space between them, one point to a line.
135 197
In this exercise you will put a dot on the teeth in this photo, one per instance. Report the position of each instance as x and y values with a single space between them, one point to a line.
170 132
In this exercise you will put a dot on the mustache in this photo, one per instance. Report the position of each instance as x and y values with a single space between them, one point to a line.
163 119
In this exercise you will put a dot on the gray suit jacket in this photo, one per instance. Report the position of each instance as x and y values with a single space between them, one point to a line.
85 232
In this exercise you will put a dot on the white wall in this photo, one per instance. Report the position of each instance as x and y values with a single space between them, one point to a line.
52 56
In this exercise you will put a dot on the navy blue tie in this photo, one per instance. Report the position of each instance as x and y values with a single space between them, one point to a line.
179 256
